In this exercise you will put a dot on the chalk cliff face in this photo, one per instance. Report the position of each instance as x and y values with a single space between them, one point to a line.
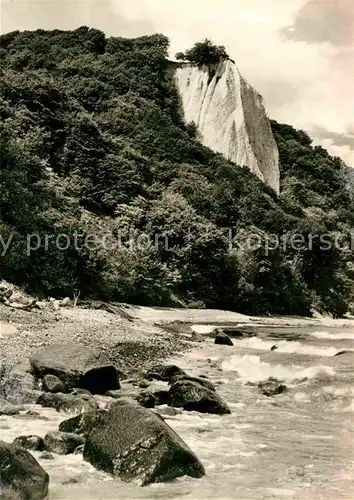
230 117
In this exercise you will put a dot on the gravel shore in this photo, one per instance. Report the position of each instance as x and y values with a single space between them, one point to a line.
132 345
133 337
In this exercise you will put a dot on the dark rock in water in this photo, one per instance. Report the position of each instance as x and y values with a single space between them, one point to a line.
71 480
79 450
235 332
79 404
7 408
32 413
68 402
82 424
161 396
194 397
144 384
49 400
21 475
51 383
134 443
165 372
62 443
222 338
46 456
76 366
274 347
34 443
146 399
200 380
340 353
272 387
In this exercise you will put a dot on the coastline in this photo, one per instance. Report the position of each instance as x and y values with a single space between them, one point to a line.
132 336
221 317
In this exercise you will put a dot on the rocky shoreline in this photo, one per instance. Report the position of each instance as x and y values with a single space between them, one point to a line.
111 419
98 365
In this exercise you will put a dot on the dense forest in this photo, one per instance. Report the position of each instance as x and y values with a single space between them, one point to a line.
93 144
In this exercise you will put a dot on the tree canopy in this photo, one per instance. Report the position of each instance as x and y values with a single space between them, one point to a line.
93 143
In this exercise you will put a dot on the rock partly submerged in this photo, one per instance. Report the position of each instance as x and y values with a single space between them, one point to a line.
62 443
136 444
192 396
70 403
200 380
222 338
31 442
272 387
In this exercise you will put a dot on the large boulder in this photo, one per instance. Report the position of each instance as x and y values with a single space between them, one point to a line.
134 443
76 366
192 396
165 372
21 475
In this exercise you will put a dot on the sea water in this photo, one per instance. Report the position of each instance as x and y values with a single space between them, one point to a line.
297 445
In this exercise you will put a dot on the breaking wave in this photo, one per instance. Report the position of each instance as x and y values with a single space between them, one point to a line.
333 336
251 369
286 346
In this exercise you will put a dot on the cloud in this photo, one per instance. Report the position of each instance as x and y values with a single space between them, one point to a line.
338 139
321 21
68 15
341 145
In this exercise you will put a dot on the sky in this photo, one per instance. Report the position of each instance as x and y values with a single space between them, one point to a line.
298 54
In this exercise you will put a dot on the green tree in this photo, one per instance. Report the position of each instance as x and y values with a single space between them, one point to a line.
205 52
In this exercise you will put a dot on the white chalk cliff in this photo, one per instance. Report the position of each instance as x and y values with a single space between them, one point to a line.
230 117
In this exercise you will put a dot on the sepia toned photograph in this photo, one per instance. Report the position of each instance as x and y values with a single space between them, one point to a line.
176 250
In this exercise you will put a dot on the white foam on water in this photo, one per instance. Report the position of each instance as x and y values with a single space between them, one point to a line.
286 346
251 369
339 391
332 336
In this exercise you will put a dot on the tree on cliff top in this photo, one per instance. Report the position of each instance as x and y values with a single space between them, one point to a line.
205 52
